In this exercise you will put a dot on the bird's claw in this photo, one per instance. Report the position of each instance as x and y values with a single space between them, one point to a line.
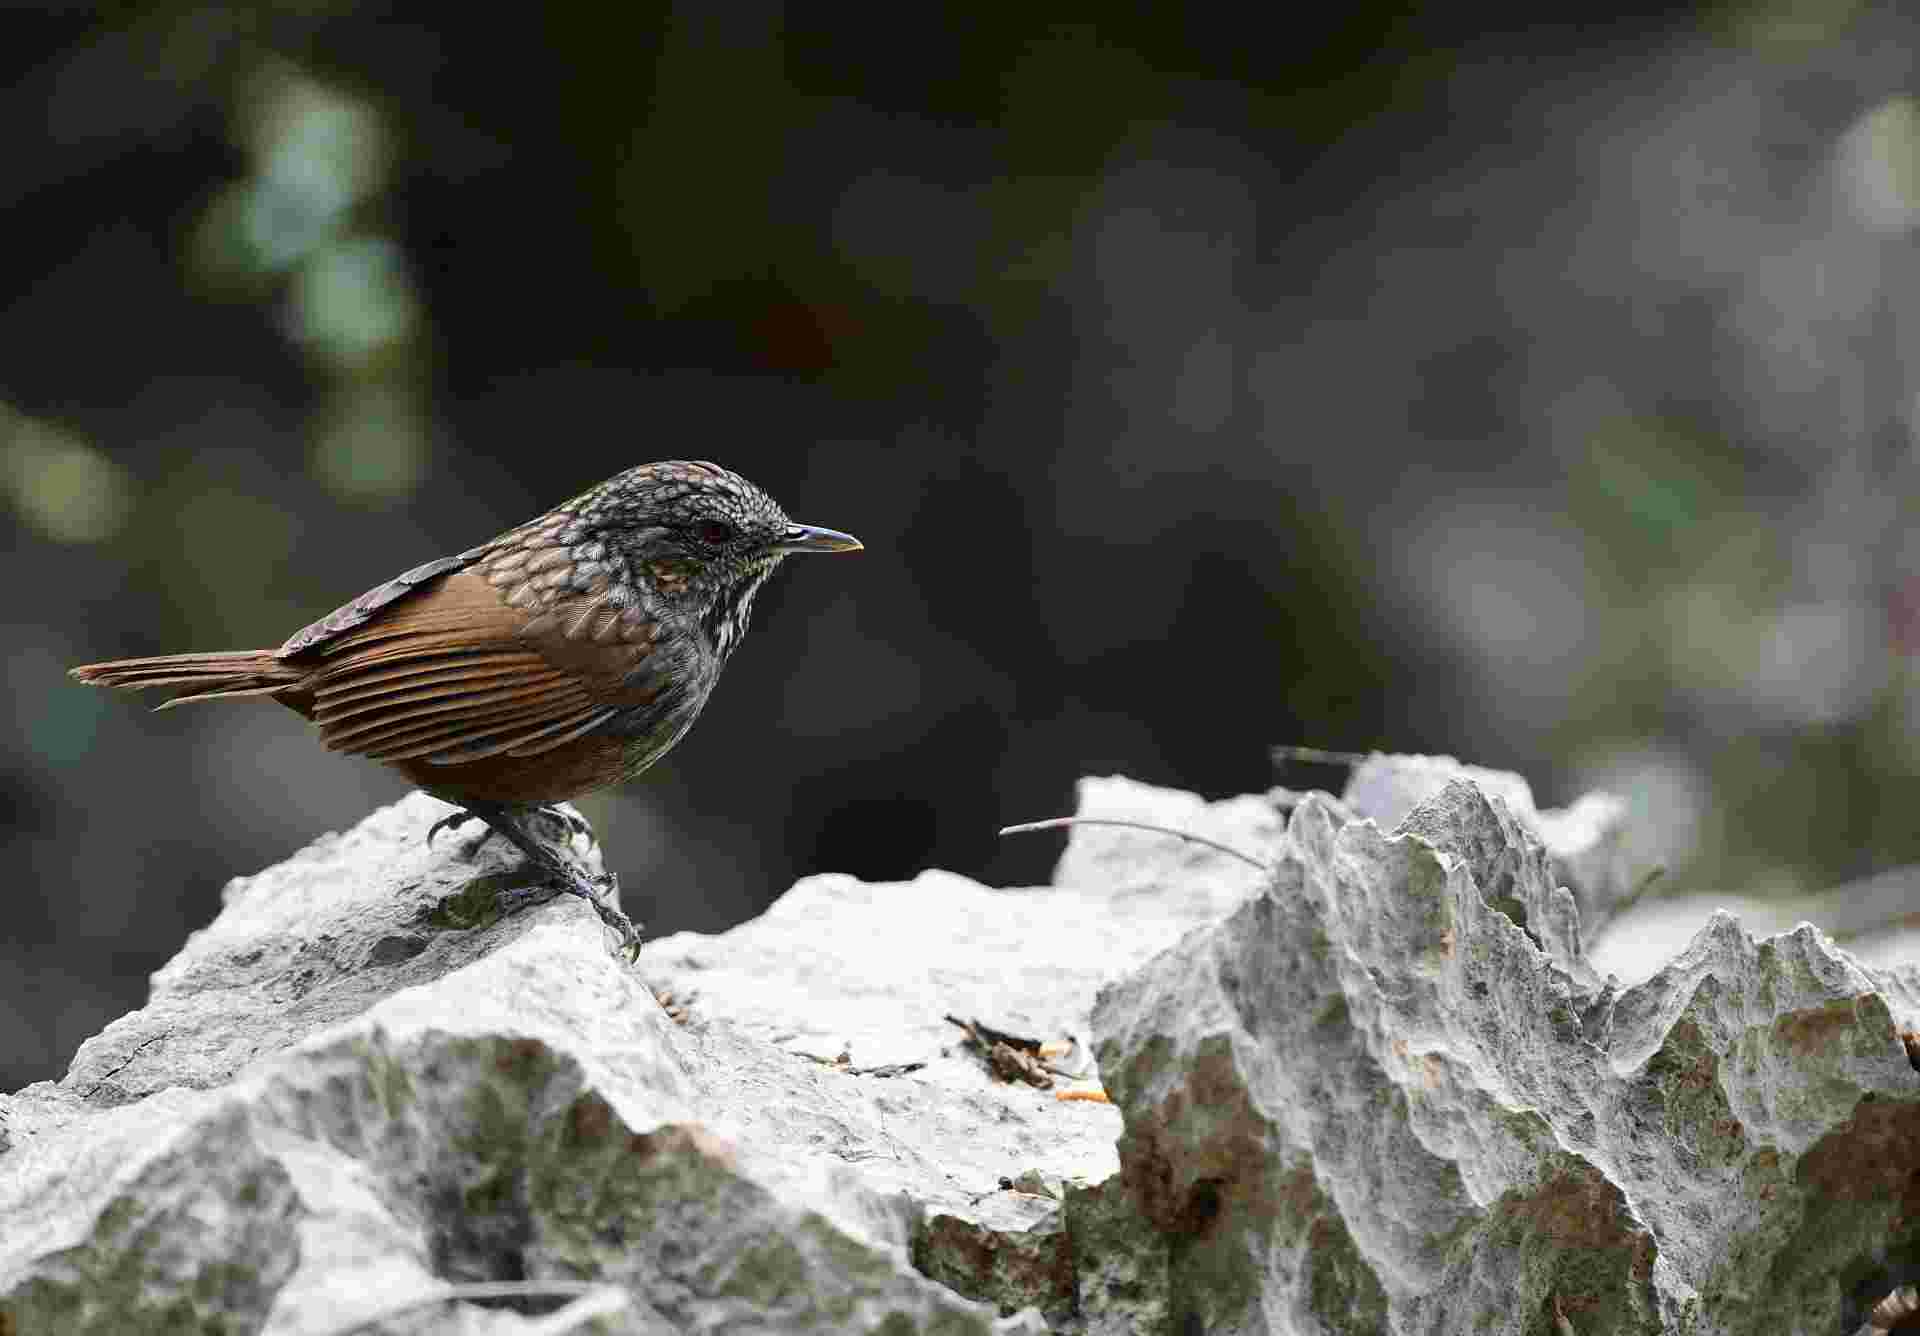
597 890
624 928
563 875
451 821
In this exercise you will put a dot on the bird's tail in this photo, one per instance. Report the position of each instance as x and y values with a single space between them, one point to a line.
246 672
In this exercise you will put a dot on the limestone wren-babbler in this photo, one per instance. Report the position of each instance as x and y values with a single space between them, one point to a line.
562 657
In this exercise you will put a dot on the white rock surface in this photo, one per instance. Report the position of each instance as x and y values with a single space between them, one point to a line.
1380 1088
1587 841
1385 1097
340 1099
359 1044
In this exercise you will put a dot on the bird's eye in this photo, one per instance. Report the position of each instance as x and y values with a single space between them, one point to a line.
715 532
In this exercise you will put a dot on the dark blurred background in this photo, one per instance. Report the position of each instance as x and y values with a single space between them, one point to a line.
1544 395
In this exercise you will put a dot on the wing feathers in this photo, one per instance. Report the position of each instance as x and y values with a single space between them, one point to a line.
327 632
547 741
510 727
461 671
425 735
438 695
343 691
521 742
479 705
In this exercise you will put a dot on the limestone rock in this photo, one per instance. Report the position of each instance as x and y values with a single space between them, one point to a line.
1382 1095
1377 1087
309 1128
1586 840
874 971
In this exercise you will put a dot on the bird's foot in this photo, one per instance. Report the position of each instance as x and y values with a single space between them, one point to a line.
453 821
601 892
570 823
456 820
560 873
565 878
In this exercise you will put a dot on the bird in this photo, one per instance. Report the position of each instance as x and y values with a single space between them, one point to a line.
562 657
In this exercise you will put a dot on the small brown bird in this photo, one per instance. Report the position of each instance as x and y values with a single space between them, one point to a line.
564 656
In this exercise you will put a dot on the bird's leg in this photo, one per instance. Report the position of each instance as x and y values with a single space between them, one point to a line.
563 875
578 824
572 820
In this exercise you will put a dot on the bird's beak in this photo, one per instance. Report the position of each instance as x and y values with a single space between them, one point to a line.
811 538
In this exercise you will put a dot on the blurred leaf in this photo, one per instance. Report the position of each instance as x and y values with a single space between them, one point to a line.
1788 27
231 545
1880 159
354 300
371 444
61 485
317 151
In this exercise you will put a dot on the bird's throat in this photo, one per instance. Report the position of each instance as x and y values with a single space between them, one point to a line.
725 619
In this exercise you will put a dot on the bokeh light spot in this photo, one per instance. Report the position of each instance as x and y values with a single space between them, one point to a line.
373 446
63 487
1880 157
354 299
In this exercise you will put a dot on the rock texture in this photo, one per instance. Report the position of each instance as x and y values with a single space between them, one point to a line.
1376 1088
1389 1094
360 1087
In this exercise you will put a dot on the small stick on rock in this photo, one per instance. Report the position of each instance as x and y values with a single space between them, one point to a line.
1053 822
981 1033
887 1069
1284 752
843 1063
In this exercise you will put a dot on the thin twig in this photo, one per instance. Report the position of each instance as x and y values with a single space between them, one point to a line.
1053 822
1287 752
988 1036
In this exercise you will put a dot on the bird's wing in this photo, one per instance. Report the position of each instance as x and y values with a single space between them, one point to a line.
513 650
357 613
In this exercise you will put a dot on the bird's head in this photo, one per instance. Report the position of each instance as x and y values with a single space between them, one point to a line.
702 538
